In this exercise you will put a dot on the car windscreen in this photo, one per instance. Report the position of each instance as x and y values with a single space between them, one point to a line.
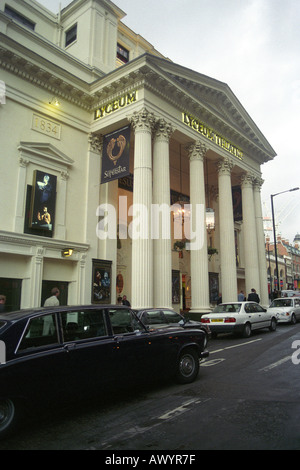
171 317
227 308
282 303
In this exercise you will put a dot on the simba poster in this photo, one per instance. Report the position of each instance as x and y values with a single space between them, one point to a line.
115 157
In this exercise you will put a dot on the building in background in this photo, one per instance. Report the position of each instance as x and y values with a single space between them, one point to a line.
93 118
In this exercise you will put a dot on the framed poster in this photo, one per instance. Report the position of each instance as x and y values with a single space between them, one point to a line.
43 199
101 282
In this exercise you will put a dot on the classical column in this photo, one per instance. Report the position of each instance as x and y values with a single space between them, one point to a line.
161 226
199 255
20 194
37 262
142 252
250 236
262 262
227 244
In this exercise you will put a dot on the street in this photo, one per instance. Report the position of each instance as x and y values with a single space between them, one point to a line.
247 396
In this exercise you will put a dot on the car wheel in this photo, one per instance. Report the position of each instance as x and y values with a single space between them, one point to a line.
247 330
273 325
293 319
7 417
187 367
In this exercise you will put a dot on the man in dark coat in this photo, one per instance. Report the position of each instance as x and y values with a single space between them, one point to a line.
253 297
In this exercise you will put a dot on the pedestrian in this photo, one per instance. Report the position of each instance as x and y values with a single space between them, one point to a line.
241 297
219 301
119 301
53 300
125 301
253 296
2 303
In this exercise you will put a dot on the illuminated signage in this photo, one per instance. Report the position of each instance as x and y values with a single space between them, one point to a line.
210 134
112 106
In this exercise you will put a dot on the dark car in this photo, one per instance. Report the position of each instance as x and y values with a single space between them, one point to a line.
51 353
166 317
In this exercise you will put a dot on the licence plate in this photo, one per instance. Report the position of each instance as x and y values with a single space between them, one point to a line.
217 320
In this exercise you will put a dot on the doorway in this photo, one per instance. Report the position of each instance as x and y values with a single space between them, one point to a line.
47 286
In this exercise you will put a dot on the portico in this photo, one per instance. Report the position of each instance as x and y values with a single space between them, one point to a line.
171 111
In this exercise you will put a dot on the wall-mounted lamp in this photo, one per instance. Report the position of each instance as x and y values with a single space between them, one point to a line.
210 220
67 252
54 102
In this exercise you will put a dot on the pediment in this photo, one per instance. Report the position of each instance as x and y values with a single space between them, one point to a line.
215 104
43 151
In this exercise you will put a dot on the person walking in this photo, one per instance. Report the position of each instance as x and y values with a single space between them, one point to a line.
53 300
253 296
241 297
125 301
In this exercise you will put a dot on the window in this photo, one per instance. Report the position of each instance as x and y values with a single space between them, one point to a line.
124 321
122 55
171 317
83 324
153 317
41 331
19 18
71 35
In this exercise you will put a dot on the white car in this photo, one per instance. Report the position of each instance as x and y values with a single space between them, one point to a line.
239 317
287 309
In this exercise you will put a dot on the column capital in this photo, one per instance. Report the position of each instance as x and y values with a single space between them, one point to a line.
143 120
197 150
95 142
225 166
247 180
258 182
163 130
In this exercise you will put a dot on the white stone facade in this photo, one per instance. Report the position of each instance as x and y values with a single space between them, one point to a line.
189 135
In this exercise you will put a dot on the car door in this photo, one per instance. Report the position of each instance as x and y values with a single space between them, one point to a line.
37 372
88 348
297 308
136 351
264 318
252 315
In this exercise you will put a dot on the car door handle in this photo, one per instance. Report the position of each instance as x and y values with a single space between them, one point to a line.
69 347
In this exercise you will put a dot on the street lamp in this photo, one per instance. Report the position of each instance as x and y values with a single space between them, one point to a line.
274 231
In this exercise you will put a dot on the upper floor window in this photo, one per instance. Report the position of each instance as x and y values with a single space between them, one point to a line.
18 17
122 55
71 35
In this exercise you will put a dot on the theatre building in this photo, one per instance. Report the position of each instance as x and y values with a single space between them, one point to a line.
122 173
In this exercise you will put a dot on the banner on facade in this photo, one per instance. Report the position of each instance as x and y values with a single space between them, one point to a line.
43 199
115 156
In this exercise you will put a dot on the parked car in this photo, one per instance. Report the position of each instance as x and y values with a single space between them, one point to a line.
286 309
72 352
166 317
239 317
290 293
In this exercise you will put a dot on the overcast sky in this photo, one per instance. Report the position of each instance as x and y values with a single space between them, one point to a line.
254 47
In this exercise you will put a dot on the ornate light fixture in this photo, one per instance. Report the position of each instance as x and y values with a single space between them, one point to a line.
54 102
66 252
210 220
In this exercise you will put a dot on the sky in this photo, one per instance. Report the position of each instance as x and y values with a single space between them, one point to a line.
254 47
